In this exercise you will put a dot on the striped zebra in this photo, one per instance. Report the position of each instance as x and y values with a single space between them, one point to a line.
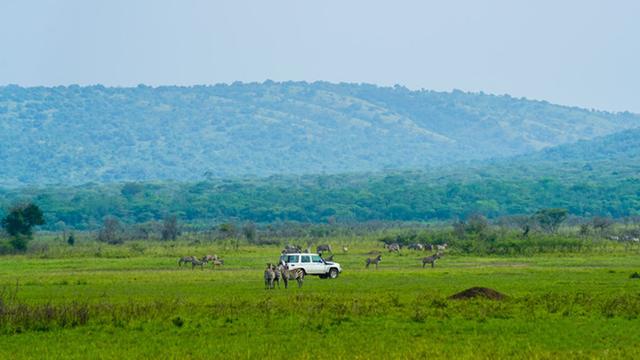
431 260
277 273
269 276
186 259
291 274
374 261
196 262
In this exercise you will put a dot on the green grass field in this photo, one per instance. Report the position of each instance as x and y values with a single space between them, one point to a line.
133 301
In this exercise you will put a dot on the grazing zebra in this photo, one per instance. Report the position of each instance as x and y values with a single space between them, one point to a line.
195 262
442 247
269 277
431 260
416 246
208 258
374 261
217 262
428 247
394 247
186 259
323 248
291 274
291 249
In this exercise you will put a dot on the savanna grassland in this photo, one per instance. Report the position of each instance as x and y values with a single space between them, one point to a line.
133 301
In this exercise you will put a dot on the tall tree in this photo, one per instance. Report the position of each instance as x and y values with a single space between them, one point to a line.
551 219
19 223
170 229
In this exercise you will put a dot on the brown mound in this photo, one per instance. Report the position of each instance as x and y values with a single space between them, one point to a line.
476 292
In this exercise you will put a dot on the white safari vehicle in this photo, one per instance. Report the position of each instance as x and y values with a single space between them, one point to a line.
312 264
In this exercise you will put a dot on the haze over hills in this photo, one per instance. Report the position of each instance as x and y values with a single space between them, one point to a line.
73 135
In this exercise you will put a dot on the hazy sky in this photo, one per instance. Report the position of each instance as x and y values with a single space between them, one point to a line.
584 53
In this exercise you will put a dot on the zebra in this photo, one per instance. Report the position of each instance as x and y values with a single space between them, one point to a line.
431 260
186 259
269 276
416 246
323 248
394 247
277 274
195 262
374 261
291 274
291 249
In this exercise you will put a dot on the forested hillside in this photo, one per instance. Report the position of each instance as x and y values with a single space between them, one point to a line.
599 177
75 135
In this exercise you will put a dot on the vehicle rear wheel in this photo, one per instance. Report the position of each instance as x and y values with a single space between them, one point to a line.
333 273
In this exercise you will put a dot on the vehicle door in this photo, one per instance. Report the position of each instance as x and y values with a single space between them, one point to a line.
305 262
317 265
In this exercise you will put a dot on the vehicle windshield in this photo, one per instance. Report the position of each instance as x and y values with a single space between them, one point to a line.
316 259
289 258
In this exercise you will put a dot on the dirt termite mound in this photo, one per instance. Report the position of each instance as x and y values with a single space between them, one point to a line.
478 292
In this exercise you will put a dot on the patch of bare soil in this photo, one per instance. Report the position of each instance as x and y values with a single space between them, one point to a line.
478 292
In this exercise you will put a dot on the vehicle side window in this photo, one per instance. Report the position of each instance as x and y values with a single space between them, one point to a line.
316 259
306 259
293 259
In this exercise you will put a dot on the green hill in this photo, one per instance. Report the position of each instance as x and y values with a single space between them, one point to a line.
589 178
74 135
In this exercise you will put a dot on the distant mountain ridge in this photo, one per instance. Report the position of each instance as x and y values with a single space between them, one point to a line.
73 135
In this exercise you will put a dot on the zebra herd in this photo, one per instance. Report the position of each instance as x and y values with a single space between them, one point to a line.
395 247
273 274
213 259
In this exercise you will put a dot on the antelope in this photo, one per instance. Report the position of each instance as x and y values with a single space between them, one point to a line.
374 261
431 260
394 247
208 258
218 262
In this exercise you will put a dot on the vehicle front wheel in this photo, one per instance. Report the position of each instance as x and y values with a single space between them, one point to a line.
333 273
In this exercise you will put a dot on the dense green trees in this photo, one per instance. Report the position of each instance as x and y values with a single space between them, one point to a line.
19 223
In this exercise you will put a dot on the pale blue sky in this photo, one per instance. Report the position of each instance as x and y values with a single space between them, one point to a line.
584 53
